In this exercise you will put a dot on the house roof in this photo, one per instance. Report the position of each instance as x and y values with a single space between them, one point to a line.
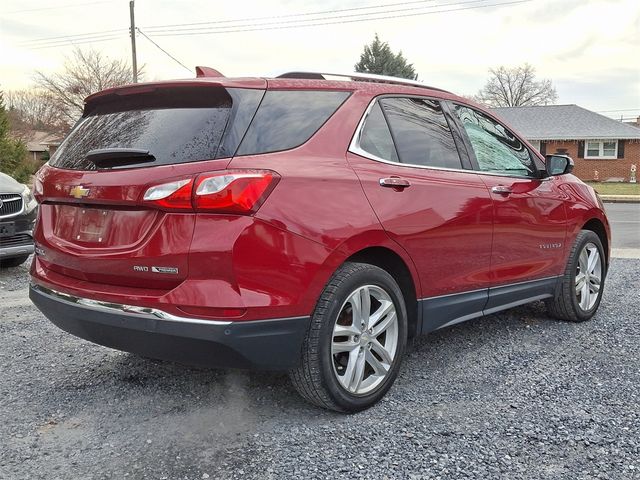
564 122
38 141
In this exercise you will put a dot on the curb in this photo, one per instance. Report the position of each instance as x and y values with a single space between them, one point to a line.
625 253
620 198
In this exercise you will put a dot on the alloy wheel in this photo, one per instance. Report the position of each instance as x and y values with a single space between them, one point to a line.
588 276
364 340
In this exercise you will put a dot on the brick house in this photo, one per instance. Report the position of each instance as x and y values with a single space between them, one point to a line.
602 148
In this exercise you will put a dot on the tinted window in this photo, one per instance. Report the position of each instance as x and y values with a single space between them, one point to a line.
496 148
175 128
421 132
288 118
376 137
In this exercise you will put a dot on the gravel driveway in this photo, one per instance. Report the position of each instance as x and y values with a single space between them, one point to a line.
509 396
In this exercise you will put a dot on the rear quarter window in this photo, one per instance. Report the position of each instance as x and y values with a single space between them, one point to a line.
288 118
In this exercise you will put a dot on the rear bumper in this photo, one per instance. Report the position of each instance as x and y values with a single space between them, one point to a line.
261 344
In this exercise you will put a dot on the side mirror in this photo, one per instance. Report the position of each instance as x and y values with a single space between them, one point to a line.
559 164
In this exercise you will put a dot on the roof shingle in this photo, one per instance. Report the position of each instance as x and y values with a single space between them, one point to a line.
564 122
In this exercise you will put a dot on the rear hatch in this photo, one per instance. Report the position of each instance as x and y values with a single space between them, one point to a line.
98 222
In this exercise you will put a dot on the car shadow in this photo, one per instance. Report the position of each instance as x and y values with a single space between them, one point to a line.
269 393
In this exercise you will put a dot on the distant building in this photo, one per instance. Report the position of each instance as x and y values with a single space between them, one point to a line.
602 148
41 145
633 123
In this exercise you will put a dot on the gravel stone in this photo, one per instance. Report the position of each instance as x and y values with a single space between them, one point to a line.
510 396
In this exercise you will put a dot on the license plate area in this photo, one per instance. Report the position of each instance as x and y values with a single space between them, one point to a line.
7 229
92 226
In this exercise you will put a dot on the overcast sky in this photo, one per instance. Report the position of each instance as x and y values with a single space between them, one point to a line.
590 49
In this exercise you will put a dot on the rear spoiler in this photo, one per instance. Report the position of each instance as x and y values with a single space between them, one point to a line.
207 77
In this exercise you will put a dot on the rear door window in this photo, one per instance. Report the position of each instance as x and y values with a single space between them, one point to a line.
421 132
288 118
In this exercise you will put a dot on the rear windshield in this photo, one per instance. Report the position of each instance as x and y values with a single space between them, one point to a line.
288 118
175 127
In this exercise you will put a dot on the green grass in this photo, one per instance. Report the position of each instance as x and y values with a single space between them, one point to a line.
616 188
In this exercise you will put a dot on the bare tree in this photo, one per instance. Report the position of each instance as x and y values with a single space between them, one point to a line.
34 109
516 87
85 72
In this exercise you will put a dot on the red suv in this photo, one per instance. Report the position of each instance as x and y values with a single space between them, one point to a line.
304 223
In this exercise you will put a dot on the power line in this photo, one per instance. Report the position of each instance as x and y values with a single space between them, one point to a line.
78 36
621 110
266 27
108 35
330 17
325 20
149 28
337 22
163 50
82 41
71 5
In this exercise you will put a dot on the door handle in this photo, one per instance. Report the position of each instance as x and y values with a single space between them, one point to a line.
395 182
501 190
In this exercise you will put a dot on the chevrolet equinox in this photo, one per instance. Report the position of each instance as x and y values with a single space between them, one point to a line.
312 223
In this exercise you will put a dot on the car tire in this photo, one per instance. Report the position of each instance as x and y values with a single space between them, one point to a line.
580 288
351 372
13 262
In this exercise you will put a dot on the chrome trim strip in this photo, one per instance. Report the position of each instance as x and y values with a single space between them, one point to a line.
23 209
122 309
462 319
454 294
517 303
354 147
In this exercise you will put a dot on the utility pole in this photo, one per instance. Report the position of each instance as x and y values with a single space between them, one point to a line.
133 43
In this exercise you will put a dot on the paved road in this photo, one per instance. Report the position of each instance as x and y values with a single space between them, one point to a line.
515 396
625 224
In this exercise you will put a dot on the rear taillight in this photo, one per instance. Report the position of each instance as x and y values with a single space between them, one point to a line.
233 192
172 196
237 191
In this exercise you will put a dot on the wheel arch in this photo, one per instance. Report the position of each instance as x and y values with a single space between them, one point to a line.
597 226
375 248
392 263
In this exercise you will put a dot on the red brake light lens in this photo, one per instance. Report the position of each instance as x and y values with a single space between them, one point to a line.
228 191
239 192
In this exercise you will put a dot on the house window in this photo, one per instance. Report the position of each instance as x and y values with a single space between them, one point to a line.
601 149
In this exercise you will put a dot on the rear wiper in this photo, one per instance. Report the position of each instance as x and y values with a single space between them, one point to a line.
119 157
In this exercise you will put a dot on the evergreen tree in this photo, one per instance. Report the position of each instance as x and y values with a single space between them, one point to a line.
378 58
12 152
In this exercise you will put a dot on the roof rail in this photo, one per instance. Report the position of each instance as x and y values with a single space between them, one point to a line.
359 77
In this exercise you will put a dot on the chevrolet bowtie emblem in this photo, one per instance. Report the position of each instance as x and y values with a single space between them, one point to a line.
79 191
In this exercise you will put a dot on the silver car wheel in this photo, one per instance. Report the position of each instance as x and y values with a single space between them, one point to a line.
365 340
588 276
